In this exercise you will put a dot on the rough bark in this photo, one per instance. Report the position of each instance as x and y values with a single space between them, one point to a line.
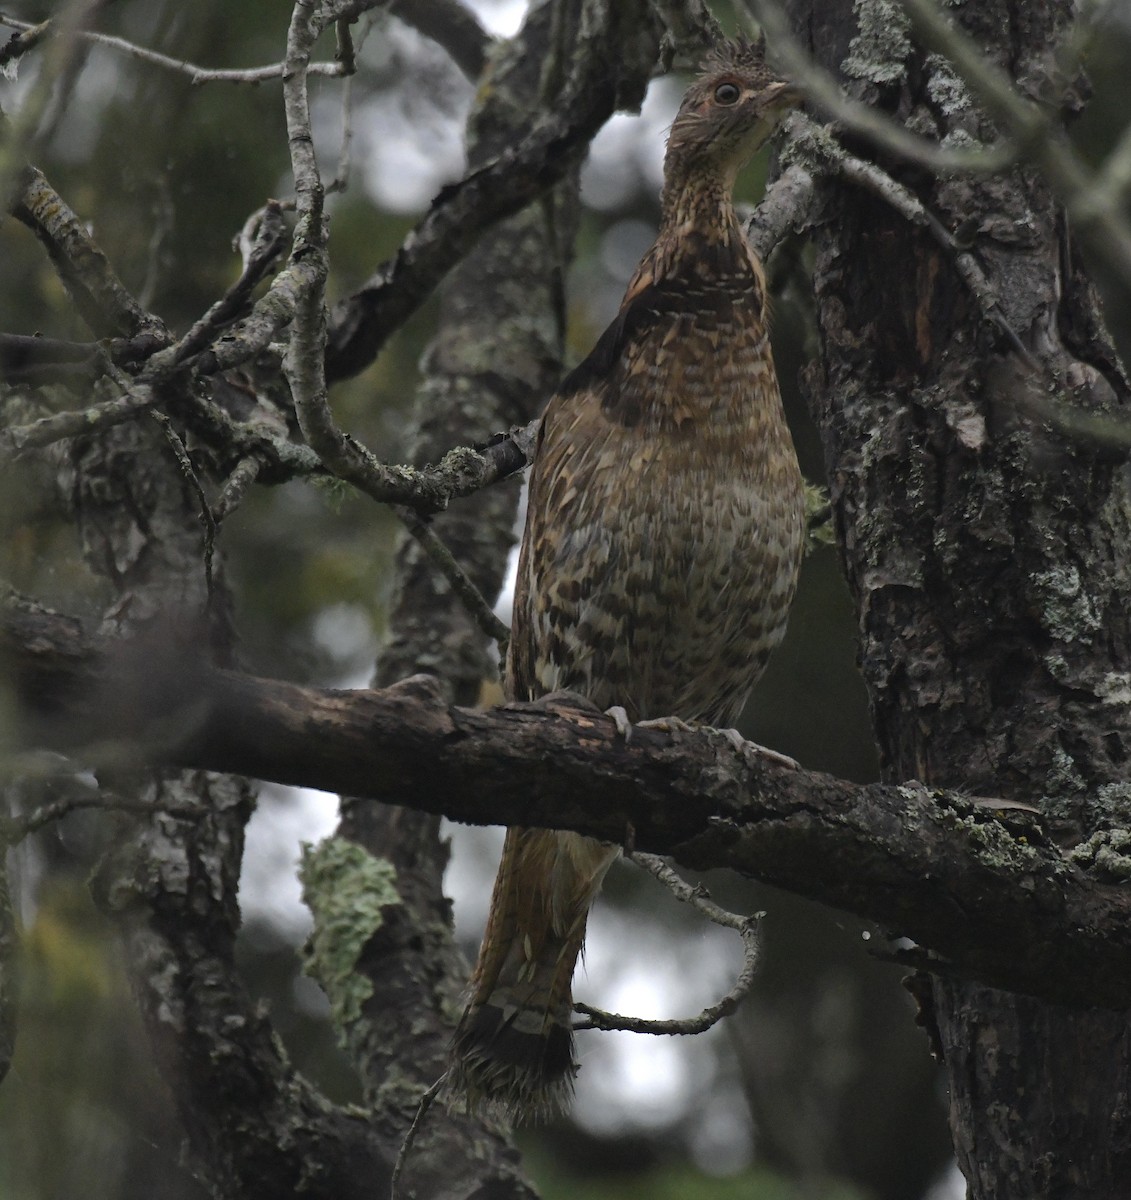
989 558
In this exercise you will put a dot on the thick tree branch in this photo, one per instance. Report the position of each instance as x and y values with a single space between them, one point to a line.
986 895
449 24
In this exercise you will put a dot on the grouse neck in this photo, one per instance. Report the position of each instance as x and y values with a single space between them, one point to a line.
700 206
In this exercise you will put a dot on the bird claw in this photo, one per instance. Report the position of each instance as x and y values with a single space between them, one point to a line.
669 725
660 724
747 748
623 724
678 725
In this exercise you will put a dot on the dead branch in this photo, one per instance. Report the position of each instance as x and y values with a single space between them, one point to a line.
984 892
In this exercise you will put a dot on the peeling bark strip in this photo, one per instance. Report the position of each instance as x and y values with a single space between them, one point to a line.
988 895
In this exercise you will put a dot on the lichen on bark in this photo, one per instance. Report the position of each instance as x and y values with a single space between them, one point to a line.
347 891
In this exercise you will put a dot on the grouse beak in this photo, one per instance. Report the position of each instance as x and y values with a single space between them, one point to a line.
780 96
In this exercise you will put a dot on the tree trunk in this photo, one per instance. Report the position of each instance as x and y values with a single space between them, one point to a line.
989 555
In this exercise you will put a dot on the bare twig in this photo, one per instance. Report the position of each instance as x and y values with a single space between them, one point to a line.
305 351
188 473
43 104
691 26
47 430
261 243
345 151
786 208
443 559
20 43
196 74
235 487
699 899
426 1102
360 325
13 829
344 48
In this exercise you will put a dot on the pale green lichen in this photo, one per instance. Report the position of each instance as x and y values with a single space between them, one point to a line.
879 52
944 87
997 846
1057 666
1063 777
332 491
812 147
1066 608
347 891
960 139
1106 854
1115 688
819 529
1113 803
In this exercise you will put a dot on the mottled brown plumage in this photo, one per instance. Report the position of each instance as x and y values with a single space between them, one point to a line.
662 545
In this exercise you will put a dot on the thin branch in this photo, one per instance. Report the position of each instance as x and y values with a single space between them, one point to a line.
20 43
103 302
189 475
344 50
246 472
426 1102
691 29
18 439
443 559
786 208
341 179
17 828
45 101
196 74
77 255
261 243
699 898
304 362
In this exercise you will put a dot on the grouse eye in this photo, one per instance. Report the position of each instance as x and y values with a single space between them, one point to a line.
727 93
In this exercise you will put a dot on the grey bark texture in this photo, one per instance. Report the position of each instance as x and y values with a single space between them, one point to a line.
990 559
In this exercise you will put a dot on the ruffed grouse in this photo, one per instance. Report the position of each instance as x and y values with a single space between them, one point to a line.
662 546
